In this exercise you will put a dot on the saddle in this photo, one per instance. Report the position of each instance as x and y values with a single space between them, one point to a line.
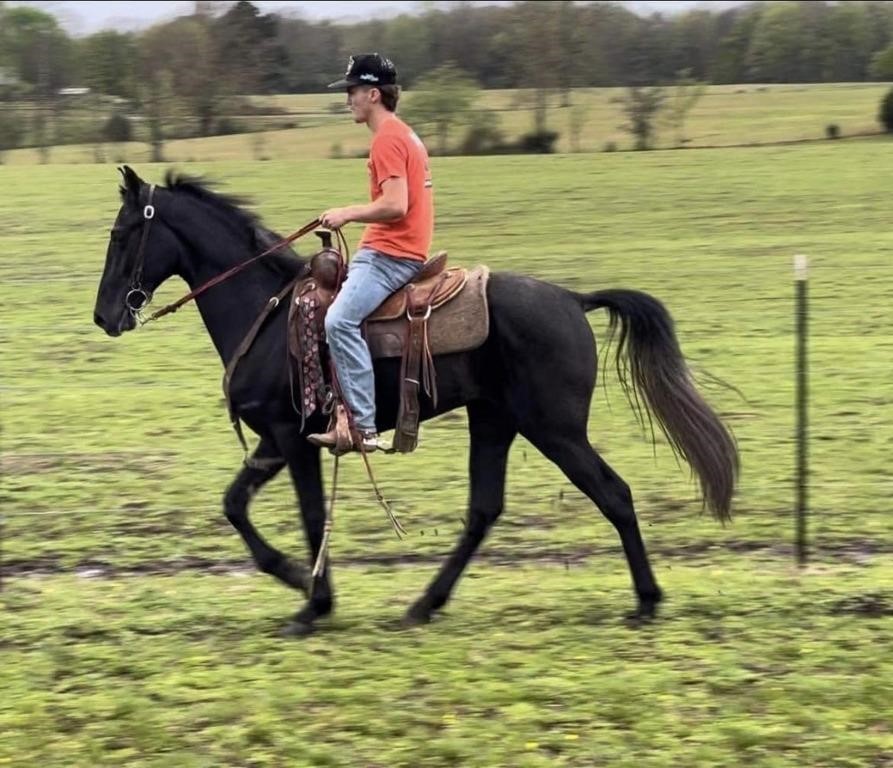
440 311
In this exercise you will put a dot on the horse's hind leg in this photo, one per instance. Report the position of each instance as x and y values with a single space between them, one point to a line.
492 431
591 474
264 464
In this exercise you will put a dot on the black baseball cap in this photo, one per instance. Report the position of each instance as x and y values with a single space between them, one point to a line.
367 69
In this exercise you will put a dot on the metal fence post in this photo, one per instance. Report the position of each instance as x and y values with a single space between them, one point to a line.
801 264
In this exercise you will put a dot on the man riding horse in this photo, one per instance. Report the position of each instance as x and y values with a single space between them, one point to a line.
395 244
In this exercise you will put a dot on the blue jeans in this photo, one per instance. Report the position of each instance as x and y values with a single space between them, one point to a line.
371 278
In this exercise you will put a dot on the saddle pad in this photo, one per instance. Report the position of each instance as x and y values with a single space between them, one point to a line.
460 324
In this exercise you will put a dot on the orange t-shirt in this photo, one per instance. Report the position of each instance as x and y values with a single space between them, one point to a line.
397 152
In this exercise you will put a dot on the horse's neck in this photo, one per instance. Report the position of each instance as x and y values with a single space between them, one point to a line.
231 307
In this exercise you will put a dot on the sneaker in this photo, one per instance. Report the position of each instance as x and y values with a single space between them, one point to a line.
372 442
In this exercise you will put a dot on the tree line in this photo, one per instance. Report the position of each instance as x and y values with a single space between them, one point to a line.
527 44
197 64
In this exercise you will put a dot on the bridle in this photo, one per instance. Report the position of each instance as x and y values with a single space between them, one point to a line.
138 298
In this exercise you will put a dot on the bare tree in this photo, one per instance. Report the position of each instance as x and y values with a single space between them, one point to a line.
440 101
686 93
641 105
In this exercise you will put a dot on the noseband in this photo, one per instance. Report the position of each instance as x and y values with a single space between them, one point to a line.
138 298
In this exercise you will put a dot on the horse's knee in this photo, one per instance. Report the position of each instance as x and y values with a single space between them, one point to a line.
235 502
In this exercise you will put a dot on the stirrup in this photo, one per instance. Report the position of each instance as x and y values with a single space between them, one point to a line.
338 439
373 442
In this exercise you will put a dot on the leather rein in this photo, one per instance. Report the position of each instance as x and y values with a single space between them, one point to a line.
138 298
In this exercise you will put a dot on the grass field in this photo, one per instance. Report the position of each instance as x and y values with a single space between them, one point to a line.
725 116
135 632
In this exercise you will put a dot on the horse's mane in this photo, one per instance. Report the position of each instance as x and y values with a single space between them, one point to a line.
285 261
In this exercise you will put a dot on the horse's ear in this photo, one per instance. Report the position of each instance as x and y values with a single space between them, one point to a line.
132 182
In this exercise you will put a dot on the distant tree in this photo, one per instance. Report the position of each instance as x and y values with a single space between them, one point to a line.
12 131
882 64
157 97
885 114
641 106
248 53
777 46
39 134
483 135
439 101
314 54
5 41
538 56
117 129
879 15
155 90
686 93
177 59
576 122
109 62
37 49
42 56
845 52
694 41
736 27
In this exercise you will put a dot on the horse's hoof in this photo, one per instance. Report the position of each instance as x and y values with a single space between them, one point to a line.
298 629
414 619
646 613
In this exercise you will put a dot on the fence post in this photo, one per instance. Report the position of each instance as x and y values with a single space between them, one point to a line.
801 264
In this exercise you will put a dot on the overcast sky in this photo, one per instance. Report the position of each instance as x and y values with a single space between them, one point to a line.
83 18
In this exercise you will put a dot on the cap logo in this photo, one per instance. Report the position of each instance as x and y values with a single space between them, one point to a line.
349 65
367 76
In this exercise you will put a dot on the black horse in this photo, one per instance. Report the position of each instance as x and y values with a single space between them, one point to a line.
540 344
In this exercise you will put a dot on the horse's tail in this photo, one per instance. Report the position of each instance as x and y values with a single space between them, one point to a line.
648 352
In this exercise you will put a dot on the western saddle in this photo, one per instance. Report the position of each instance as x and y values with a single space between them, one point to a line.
441 310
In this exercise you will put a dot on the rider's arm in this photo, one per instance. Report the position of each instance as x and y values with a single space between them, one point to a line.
389 206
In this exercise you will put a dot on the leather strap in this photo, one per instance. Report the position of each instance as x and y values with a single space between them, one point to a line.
233 271
242 350
417 368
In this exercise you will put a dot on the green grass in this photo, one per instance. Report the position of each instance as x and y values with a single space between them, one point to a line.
726 115
752 664
115 455
711 233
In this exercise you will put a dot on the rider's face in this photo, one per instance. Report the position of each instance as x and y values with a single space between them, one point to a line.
360 99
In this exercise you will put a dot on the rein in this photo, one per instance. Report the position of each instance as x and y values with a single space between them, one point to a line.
171 308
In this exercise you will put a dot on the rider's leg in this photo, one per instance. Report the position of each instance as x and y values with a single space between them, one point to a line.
372 277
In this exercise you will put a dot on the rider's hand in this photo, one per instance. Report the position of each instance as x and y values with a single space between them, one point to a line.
335 218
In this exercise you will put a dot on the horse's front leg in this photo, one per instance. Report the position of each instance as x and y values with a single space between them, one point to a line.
304 464
263 465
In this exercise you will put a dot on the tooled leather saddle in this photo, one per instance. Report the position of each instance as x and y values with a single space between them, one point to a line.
439 312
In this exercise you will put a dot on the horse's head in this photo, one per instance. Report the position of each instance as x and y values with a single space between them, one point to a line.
142 253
